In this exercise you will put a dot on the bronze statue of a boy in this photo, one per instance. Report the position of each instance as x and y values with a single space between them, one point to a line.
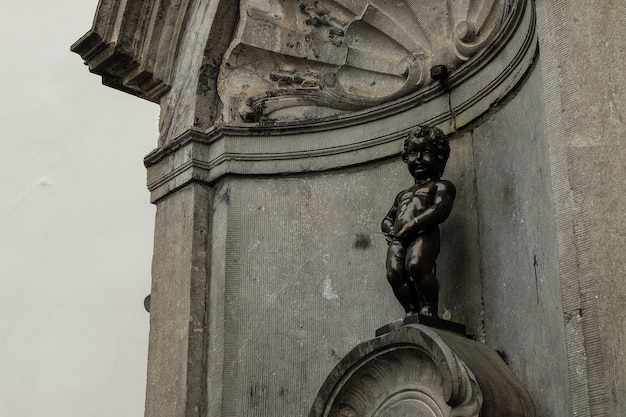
412 224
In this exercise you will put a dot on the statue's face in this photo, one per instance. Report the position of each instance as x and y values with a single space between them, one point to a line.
422 159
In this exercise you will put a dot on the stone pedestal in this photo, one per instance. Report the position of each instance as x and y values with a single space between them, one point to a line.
417 370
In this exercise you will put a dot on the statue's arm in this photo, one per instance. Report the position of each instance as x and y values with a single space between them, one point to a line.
432 216
387 224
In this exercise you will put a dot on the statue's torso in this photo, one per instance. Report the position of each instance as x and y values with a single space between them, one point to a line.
413 201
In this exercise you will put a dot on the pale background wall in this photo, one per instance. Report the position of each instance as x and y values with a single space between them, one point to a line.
76 227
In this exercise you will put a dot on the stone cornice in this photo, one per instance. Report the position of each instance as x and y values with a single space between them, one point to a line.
196 156
279 148
133 45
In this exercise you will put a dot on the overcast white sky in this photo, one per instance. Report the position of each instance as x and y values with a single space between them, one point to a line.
76 225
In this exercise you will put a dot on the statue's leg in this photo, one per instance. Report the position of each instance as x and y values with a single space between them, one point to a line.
398 278
420 263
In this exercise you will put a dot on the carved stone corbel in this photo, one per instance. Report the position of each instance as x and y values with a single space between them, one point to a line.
133 45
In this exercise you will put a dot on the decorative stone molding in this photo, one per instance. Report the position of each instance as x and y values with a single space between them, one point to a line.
196 156
417 370
364 53
136 47
270 148
308 63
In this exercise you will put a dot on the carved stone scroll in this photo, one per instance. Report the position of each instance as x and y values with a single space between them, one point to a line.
420 371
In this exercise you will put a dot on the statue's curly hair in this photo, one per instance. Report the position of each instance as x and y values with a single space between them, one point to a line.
436 137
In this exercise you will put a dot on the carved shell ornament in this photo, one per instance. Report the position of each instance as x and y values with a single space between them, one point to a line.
300 59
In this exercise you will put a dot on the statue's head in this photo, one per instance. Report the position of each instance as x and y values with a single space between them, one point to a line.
434 141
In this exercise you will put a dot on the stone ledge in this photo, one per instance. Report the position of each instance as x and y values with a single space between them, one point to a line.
435 322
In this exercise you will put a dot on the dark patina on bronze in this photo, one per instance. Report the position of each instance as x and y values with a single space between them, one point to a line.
411 226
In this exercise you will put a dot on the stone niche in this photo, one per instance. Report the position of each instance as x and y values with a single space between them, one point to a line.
281 127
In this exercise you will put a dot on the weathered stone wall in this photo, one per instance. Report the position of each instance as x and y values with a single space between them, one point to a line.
303 284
